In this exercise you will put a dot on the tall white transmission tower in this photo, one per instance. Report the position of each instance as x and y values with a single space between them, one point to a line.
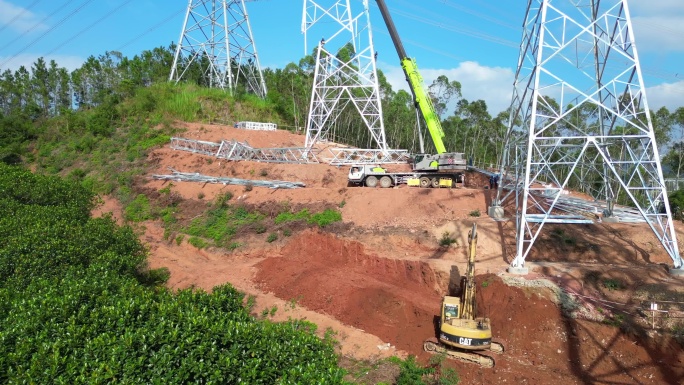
216 39
341 79
580 119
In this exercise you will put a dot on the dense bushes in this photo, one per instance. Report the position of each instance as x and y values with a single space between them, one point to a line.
73 308
677 204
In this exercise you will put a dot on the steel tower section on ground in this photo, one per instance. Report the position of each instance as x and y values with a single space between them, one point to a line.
216 39
341 79
580 119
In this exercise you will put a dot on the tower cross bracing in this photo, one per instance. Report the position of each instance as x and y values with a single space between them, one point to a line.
341 80
216 39
580 119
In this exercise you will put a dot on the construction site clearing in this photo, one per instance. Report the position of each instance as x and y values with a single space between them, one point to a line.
583 315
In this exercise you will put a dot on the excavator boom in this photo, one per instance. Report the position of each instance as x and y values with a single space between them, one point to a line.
468 294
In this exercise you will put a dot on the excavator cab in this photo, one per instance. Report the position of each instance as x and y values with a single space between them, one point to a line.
462 334
450 310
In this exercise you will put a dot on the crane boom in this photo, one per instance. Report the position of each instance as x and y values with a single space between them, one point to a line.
415 80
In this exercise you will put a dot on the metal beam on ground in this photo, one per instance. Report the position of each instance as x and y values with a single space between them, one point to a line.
197 177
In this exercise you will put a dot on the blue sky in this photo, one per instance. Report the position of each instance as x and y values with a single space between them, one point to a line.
474 41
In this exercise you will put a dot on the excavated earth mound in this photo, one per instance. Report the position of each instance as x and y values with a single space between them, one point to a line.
394 300
398 301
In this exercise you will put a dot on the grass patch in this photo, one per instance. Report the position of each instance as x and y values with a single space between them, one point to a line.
221 224
287 216
322 219
139 209
447 240
613 284
328 216
198 242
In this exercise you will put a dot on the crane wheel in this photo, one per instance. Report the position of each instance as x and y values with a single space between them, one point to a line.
371 181
425 182
435 182
385 182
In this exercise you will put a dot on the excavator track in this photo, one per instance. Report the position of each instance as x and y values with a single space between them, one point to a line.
496 347
433 346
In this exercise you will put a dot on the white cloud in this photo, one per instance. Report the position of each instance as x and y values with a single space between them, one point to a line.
659 33
27 60
658 25
494 85
662 7
670 95
22 19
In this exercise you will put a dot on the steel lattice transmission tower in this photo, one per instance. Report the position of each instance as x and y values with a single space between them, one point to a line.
345 68
217 39
580 119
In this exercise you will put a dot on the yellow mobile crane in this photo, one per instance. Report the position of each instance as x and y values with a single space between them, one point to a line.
429 169
462 335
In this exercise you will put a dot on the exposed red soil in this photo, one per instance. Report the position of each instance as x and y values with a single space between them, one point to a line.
382 296
380 279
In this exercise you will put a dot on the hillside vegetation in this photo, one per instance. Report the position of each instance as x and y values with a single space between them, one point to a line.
78 306
77 303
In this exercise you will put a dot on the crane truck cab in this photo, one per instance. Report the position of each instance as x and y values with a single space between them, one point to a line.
370 175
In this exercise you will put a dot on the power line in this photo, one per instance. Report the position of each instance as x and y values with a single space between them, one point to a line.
480 15
463 31
664 75
110 13
18 15
425 47
166 20
59 23
34 26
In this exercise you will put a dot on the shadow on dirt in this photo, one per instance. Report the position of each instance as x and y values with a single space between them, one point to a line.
604 348
609 330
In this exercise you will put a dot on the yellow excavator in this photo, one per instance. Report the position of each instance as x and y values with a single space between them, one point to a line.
463 336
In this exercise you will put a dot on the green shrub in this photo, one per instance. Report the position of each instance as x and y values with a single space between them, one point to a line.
139 209
259 228
612 284
326 217
219 224
271 237
446 240
198 242
475 213
677 204
290 217
221 200
168 216
410 372
443 374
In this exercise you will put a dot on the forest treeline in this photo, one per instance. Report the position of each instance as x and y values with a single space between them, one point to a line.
31 96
